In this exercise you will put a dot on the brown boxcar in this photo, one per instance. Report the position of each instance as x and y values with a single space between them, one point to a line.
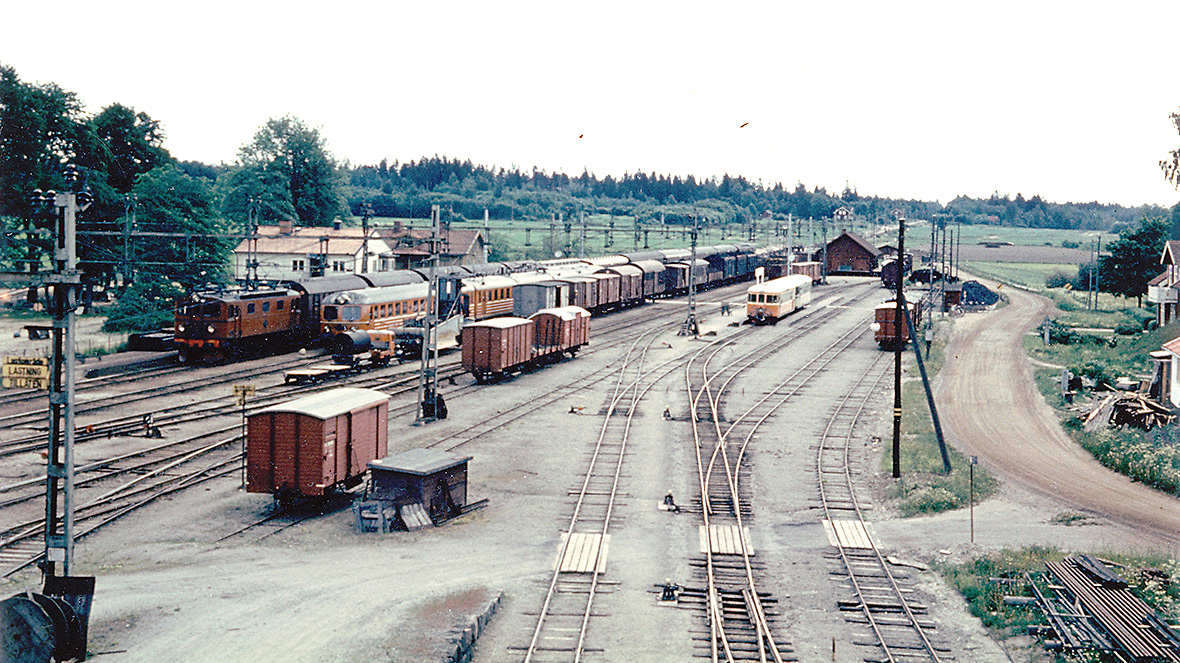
585 291
887 333
631 280
315 444
809 268
609 290
497 346
560 330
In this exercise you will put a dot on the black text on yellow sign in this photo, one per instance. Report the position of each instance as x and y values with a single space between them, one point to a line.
25 373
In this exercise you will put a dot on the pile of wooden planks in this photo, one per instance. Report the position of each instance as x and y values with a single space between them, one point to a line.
1128 409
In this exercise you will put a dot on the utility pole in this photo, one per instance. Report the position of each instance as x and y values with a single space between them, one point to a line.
582 241
130 202
1097 273
790 247
690 325
366 214
428 399
899 326
252 205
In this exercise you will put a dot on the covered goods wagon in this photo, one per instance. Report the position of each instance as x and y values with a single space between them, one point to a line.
314 445
497 346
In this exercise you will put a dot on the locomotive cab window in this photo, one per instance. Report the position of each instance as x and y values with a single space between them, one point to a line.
350 313
279 305
250 307
266 307
329 313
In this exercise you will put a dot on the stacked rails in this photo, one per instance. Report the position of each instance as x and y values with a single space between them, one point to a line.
1133 627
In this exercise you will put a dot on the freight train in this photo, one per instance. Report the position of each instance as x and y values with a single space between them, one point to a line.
225 325
496 348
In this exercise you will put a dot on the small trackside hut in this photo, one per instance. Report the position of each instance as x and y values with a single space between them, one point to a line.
418 487
314 445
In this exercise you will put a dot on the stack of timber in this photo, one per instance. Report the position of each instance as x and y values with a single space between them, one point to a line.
1128 409
1089 589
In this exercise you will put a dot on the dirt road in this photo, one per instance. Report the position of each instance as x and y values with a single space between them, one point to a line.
992 410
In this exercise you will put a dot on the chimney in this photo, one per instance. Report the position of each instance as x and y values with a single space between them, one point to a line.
285 226
337 224
397 225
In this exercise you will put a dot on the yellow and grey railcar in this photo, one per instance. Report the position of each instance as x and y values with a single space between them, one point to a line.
769 301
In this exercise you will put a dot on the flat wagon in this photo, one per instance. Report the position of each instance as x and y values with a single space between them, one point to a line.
314 445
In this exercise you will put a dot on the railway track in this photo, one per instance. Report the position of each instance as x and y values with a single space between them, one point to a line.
880 601
740 616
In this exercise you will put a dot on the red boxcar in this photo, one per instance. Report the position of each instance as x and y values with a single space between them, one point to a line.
312 445
497 346
888 333
560 330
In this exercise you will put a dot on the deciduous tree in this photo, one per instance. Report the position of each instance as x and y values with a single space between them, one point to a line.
1134 259
293 158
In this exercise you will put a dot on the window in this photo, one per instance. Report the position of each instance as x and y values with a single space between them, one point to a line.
753 297
296 265
279 305
398 308
250 307
329 313
350 313
266 307
337 265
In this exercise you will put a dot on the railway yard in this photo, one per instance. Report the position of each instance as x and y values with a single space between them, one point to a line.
780 545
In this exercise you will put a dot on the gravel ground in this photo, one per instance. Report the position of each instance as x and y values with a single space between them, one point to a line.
321 592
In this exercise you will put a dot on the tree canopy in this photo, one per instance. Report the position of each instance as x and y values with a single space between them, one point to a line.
287 166
1134 259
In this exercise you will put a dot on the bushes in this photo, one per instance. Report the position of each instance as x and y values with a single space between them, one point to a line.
1058 280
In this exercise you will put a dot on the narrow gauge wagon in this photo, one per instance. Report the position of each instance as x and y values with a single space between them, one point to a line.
312 446
224 326
886 331
769 301
495 348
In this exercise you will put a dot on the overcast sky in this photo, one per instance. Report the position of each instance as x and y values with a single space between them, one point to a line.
1068 100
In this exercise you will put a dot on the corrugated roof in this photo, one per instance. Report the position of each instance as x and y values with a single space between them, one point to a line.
500 323
330 403
419 461
564 312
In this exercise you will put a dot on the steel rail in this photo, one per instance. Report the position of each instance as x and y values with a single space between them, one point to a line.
856 508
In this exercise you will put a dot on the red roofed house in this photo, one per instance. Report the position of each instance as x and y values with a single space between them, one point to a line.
285 252
409 247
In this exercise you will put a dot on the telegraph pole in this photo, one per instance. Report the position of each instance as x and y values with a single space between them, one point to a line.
428 400
899 326
690 323
130 202
366 215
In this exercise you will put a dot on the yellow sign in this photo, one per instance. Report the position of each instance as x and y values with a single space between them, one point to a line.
25 372
242 391
25 383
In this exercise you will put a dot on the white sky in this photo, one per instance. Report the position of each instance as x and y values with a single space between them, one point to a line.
923 100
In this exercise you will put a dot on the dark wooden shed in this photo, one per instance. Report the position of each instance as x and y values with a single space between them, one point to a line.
851 254
421 479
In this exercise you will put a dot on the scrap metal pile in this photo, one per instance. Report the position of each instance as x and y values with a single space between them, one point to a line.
1128 409
1090 609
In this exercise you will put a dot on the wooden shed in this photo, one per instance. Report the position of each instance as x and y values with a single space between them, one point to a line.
312 445
851 254
429 480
